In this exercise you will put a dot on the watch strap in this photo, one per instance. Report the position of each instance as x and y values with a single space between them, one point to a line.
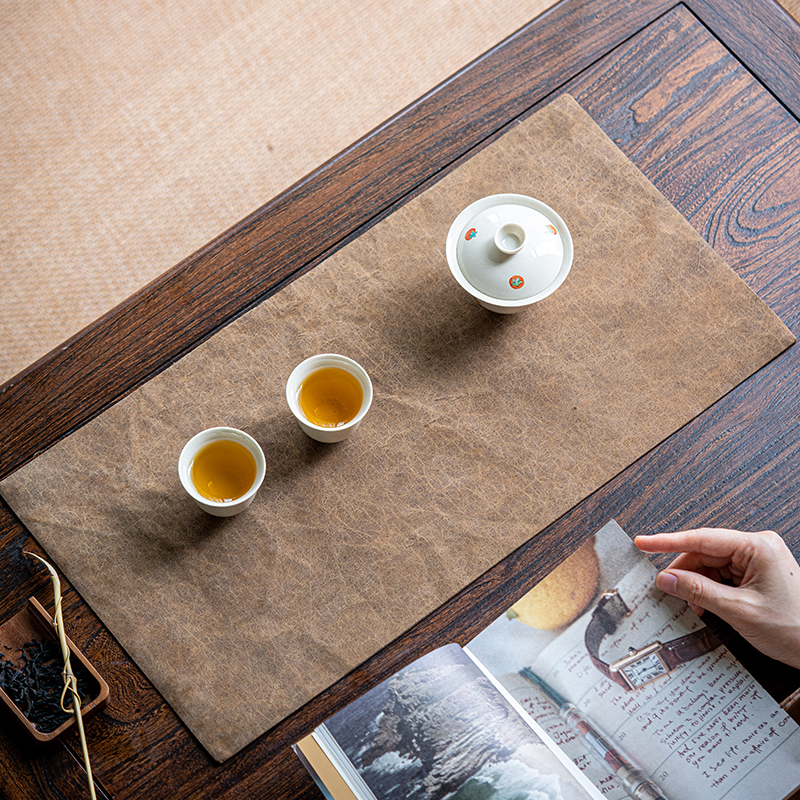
689 647
607 615
611 610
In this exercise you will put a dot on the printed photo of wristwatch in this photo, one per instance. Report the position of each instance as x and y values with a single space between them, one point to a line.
643 665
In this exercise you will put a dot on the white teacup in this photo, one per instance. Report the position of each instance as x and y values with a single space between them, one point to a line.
322 433
221 508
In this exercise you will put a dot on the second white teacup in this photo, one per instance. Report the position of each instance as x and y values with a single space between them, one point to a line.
329 406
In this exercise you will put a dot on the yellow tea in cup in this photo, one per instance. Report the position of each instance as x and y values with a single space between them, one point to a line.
223 470
330 397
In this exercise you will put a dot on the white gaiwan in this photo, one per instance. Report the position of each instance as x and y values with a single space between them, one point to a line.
509 251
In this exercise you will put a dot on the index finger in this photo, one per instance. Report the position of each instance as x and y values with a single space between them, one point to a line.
714 542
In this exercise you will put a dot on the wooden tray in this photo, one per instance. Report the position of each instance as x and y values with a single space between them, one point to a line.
34 623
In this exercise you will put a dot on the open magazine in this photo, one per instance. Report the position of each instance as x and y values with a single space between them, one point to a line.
634 697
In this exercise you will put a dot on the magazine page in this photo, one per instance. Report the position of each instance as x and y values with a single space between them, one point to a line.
440 730
692 719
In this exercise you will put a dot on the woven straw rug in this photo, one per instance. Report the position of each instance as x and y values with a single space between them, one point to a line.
133 132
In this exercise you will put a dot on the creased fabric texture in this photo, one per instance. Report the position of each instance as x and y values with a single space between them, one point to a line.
483 430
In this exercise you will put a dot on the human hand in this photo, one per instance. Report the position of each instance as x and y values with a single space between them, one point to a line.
750 580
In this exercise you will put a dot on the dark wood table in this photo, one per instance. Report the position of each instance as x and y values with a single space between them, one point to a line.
704 97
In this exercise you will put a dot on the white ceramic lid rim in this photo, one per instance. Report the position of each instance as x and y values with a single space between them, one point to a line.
497 199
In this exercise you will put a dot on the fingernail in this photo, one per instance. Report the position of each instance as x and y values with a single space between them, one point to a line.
667 582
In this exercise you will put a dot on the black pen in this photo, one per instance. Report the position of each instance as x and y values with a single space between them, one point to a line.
636 783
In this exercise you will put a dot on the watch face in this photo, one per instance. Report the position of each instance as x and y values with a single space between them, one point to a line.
644 669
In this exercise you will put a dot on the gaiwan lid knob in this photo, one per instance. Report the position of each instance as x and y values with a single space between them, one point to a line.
510 248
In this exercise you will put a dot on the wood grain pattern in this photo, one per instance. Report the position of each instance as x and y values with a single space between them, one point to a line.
677 100
741 25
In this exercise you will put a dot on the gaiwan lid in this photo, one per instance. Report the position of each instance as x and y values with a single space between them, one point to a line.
509 247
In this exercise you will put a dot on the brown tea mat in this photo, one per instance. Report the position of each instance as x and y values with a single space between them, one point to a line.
483 430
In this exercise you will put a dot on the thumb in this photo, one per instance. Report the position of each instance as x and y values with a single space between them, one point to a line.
700 592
